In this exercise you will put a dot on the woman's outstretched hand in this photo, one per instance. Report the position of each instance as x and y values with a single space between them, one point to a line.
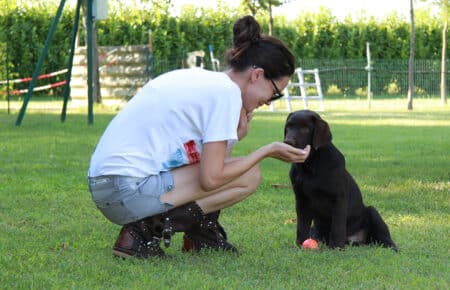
287 153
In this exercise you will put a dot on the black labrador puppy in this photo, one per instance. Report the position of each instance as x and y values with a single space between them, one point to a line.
325 193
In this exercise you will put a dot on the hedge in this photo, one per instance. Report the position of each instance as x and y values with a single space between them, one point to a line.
311 36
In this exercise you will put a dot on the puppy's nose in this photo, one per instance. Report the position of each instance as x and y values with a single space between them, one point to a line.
289 142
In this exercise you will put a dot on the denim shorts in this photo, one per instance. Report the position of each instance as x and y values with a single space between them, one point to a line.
124 199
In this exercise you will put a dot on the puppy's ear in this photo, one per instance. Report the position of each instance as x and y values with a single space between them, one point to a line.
290 114
322 133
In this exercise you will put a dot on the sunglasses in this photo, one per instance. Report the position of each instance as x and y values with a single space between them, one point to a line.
277 95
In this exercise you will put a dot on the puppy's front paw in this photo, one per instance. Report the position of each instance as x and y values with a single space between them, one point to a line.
336 245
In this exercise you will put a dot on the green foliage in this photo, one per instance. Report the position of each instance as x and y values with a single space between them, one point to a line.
333 90
2 57
419 91
26 31
311 91
392 88
310 36
361 92
260 6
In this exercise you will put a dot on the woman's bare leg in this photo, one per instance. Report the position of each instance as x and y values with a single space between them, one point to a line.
187 189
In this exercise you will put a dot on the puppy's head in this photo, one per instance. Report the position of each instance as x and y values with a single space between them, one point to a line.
306 127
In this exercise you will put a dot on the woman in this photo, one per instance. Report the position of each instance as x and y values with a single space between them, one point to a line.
162 165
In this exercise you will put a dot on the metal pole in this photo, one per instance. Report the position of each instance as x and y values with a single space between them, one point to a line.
211 55
40 62
89 28
183 59
66 92
215 63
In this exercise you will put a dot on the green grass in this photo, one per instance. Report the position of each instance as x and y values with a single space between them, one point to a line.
53 237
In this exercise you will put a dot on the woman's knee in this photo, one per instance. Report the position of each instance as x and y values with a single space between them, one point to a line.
253 178
239 190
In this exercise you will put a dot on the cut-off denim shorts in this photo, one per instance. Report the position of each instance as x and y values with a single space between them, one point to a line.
124 199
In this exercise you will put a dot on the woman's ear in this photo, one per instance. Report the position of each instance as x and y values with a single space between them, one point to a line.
256 74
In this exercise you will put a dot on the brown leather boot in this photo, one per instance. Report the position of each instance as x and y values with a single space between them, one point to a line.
139 239
202 231
208 234
180 219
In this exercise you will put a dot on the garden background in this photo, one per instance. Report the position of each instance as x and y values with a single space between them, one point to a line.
53 237
319 40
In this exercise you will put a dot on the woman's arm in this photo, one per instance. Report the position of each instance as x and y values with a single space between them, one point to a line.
215 172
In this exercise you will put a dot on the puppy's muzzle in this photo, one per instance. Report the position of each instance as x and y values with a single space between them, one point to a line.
290 142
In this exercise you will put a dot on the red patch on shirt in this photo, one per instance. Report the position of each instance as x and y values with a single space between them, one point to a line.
192 152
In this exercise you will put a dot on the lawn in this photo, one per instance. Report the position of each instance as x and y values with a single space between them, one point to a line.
53 237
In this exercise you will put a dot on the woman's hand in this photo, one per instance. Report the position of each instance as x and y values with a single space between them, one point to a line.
215 171
244 123
287 153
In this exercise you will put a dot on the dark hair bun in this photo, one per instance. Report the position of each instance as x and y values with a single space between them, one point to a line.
251 48
245 31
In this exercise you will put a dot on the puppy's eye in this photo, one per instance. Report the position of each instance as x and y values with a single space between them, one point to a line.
304 130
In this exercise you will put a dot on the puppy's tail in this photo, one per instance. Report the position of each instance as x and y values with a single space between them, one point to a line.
378 230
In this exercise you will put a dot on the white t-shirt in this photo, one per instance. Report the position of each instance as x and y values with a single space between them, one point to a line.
166 123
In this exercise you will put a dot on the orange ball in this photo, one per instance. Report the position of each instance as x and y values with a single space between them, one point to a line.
310 244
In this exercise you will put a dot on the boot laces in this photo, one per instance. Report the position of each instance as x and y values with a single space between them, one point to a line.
167 232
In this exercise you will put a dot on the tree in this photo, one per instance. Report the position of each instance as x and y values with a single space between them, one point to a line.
252 5
444 53
444 6
411 60
265 5
445 13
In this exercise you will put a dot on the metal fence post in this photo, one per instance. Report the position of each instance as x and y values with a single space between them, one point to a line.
40 62
89 28
66 92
